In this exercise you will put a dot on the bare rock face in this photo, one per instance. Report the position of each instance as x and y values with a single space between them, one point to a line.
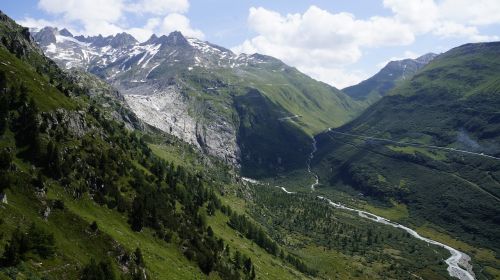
46 213
167 109
73 121
3 198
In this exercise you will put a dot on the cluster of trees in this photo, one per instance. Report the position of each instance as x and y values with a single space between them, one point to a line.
343 233
35 241
5 166
102 163
24 118
253 232
104 269
154 206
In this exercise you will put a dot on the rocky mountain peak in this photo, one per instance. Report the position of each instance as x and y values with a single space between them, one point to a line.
122 40
152 40
46 36
65 32
381 83
174 39
426 58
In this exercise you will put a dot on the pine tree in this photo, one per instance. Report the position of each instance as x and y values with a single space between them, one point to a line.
3 82
252 274
237 259
4 112
138 214
41 242
98 271
53 160
28 130
138 258
247 264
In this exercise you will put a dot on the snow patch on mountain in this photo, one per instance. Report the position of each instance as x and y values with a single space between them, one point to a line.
156 99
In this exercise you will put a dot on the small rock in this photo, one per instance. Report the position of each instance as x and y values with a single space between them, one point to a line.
3 198
46 213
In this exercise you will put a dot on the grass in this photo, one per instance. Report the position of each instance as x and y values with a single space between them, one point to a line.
46 96
163 260
397 212
176 155
433 154
335 265
266 265
74 245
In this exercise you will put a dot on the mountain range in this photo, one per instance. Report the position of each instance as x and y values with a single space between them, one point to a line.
175 158
209 96
387 78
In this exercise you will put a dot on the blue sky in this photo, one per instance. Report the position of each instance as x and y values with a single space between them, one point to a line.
338 42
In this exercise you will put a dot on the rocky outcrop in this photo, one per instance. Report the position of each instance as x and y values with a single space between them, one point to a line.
72 121
187 87
167 109
3 198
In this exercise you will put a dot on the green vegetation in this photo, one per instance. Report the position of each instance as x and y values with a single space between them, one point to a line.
36 241
258 101
389 77
453 103
63 173
91 198
261 136
330 240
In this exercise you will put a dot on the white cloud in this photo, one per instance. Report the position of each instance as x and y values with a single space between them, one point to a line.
319 42
405 55
322 43
335 76
93 17
478 12
456 30
40 23
458 17
160 7
178 22
109 10
143 33
419 15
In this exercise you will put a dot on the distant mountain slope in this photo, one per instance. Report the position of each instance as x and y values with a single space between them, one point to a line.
453 103
387 78
191 89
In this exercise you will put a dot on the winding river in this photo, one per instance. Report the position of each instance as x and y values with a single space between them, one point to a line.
458 262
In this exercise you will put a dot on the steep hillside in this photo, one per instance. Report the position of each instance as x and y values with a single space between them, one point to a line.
192 89
85 198
432 145
394 73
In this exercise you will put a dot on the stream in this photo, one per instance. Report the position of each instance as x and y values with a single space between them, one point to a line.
458 262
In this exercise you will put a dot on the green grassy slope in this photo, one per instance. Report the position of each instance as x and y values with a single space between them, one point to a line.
317 104
269 103
393 74
452 103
